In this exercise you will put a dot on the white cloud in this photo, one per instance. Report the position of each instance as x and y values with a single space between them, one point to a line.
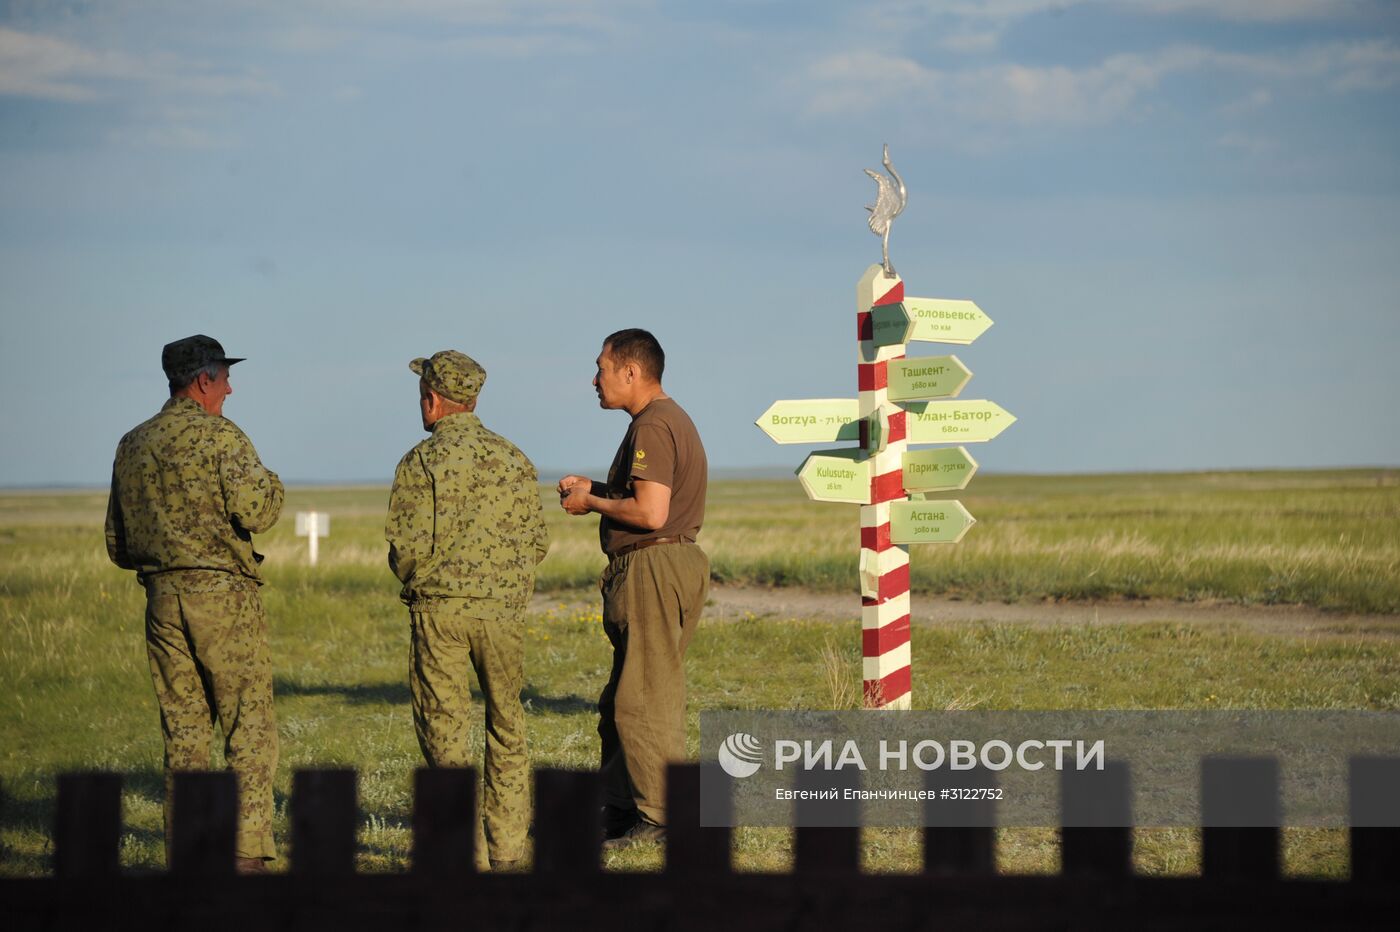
1005 93
49 68
1257 99
1372 65
168 136
1252 145
970 42
534 14
52 69
1252 10
1007 11
505 29
978 25
1017 94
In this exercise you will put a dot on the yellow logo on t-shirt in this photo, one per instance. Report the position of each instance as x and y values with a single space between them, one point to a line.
641 454
637 460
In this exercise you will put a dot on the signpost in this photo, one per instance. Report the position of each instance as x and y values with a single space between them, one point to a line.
896 405
313 525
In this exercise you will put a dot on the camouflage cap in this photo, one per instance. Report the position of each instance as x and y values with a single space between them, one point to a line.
183 359
451 374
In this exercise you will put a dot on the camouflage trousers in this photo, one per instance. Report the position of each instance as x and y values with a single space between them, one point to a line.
652 600
210 661
456 638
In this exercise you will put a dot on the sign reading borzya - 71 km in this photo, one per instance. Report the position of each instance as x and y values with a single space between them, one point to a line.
812 420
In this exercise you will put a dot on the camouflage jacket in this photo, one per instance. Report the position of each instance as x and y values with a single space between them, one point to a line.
188 493
465 520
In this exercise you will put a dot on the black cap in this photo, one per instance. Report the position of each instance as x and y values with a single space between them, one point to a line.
183 359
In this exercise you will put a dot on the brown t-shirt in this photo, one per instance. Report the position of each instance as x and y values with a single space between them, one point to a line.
661 445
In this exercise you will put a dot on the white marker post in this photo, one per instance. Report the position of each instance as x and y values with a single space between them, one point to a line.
313 525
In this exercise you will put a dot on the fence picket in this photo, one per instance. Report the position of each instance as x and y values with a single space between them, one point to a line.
827 848
444 821
568 821
204 823
1375 819
87 825
1097 814
323 822
960 849
1240 814
693 848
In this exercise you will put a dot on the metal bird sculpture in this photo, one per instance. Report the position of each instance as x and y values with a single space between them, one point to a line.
889 203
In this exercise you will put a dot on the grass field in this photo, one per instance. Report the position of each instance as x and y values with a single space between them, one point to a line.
77 694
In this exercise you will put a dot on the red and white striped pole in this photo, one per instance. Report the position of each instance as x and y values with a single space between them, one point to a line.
884 566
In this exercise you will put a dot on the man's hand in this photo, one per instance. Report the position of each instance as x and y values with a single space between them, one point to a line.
575 499
568 482
573 494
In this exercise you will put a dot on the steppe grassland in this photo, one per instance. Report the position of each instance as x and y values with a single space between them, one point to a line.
77 695
1325 539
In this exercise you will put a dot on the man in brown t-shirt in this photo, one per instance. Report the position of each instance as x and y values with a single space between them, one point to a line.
655 584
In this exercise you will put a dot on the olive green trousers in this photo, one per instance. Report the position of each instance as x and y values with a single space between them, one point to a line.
450 643
210 661
652 601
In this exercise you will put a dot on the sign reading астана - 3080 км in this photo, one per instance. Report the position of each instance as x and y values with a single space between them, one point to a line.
900 401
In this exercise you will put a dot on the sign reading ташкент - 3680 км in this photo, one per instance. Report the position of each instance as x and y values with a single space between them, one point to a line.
901 401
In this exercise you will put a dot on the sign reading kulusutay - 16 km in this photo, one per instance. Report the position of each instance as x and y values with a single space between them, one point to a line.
812 420
956 421
837 476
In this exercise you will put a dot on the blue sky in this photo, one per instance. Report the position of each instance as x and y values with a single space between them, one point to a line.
1182 215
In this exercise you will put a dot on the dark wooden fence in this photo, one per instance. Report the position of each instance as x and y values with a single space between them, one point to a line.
1240 885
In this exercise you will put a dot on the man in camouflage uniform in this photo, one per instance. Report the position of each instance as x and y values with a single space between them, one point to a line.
465 533
188 493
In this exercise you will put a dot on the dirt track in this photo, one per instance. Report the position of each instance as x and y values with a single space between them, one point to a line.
732 603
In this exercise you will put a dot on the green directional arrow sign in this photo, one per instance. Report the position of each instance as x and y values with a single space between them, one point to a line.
837 476
955 421
926 377
939 470
812 420
929 522
889 325
941 320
